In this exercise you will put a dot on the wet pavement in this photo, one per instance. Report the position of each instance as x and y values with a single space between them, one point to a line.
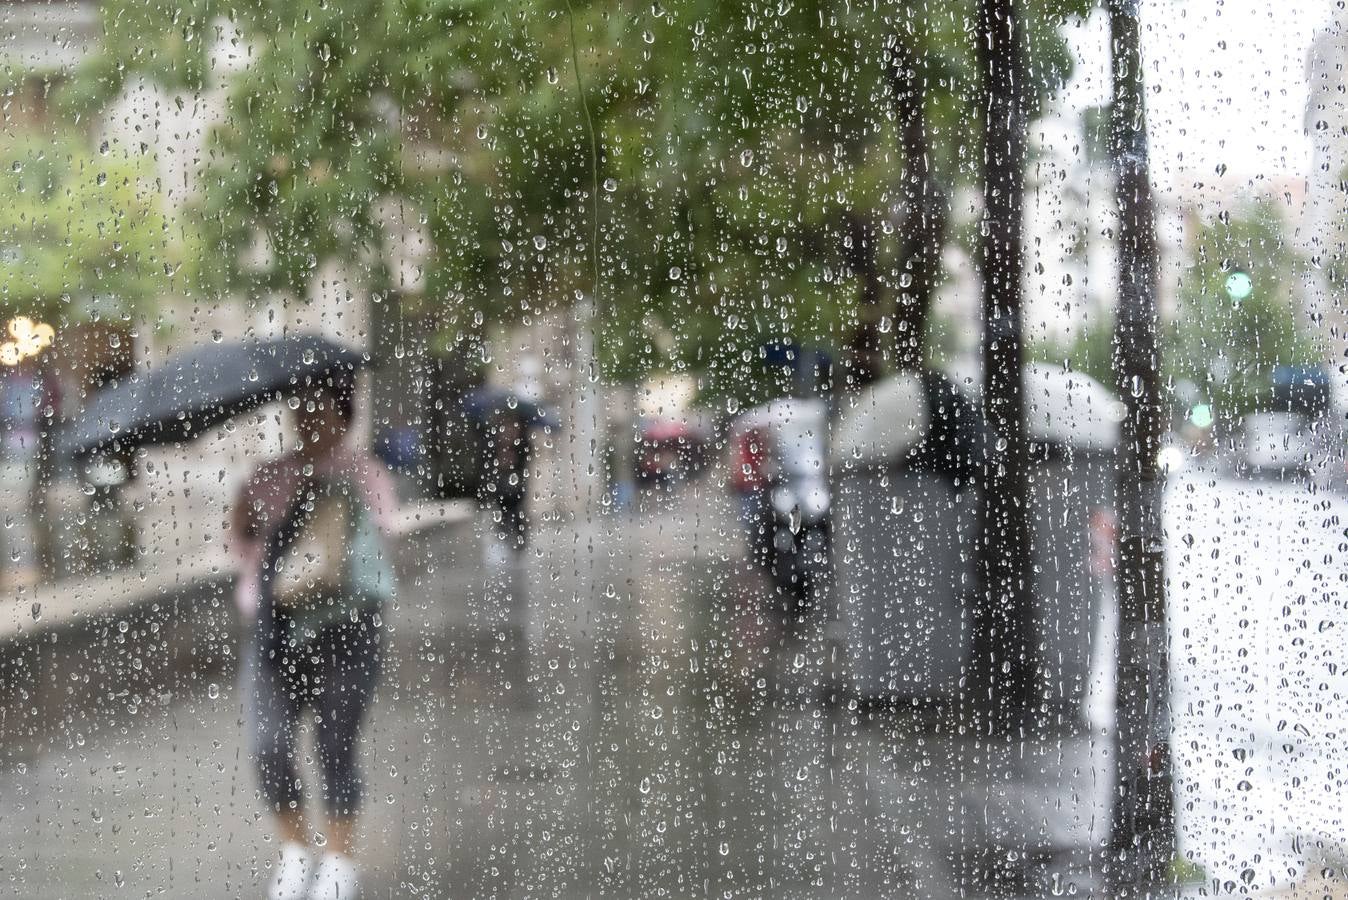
1260 680
621 714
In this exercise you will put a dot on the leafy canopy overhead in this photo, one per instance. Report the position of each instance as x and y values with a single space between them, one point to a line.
83 235
733 140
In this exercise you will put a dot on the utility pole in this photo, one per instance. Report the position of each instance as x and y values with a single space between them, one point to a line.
1142 841
1005 661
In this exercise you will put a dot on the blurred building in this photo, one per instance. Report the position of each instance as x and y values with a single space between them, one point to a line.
181 497
42 40
1325 223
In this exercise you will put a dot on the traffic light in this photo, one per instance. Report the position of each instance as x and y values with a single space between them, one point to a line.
1239 285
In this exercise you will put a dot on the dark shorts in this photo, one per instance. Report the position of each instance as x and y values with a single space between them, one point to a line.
328 680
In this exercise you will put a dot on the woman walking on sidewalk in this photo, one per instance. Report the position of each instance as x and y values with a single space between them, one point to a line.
314 573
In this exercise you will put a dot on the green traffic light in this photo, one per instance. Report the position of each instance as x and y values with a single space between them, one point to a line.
1201 415
1239 286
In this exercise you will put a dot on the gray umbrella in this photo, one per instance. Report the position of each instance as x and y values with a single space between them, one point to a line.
196 389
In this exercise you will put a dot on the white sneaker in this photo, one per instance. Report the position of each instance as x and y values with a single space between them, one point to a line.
337 879
290 878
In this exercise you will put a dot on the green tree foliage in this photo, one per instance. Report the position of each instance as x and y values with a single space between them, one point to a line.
1229 348
83 235
733 143
1217 350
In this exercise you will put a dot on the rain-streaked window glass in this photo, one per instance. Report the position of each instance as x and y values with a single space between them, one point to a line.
775 449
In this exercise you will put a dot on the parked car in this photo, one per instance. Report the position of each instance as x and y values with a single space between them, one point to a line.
1278 444
1294 435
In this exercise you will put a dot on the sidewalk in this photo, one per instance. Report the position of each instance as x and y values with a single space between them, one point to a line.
1319 889
206 567
611 713
1311 889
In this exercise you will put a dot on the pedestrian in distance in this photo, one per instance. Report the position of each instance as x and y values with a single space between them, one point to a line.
309 531
505 486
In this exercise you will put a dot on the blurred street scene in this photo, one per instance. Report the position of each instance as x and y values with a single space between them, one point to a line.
697 450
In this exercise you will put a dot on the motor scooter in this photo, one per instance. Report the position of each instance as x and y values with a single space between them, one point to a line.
799 561
780 472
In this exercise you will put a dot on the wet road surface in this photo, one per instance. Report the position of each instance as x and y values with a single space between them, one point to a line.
621 714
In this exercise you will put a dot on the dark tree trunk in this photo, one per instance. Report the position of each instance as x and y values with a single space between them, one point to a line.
1142 840
861 259
1005 642
926 210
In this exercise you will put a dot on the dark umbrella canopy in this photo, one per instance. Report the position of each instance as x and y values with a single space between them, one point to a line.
194 390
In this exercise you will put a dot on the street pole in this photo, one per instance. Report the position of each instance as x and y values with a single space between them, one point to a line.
1142 841
1006 659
